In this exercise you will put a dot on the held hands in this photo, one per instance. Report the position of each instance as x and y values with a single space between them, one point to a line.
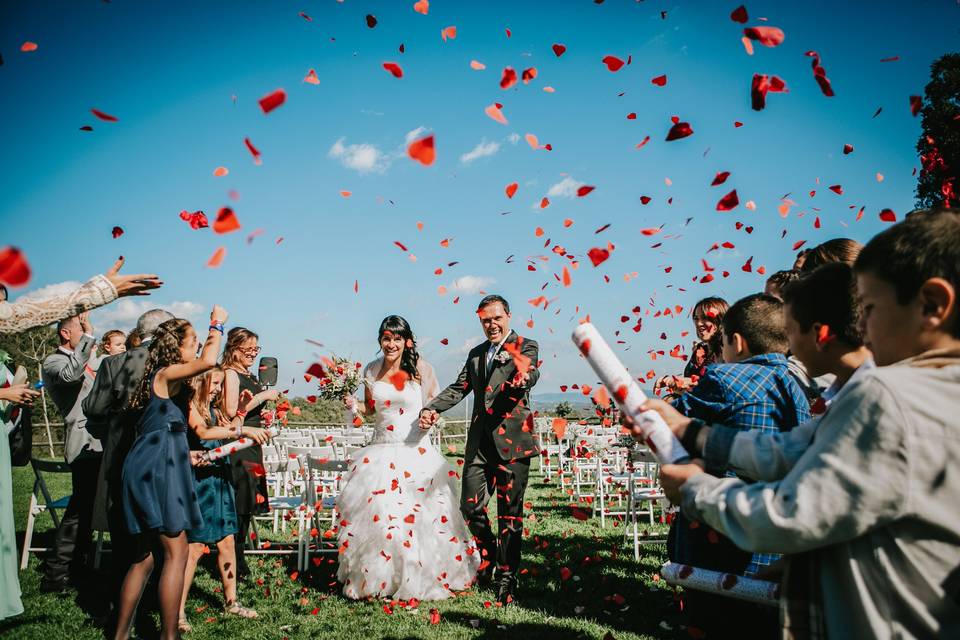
673 477
219 315
133 285
258 435
19 394
197 459
428 417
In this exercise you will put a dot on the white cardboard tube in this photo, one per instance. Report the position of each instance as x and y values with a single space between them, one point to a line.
726 584
237 445
627 394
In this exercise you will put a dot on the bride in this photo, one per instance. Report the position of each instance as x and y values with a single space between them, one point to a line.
401 533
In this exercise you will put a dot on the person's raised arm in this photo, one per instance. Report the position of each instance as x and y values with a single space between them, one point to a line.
208 357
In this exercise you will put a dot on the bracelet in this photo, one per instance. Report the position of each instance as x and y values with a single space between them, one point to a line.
689 440
216 326
241 413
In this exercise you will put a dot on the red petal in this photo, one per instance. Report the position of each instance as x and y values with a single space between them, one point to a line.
393 68
887 215
273 100
598 255
916 103
660 81
14 270
837 189
679 130
584 190
226 221
423 150
559 49
217 258
528 74
739 15
253 150
117 232
645 199
28 46
767 36
613 63
371 20
847 149
508 79
720 178
728 202
86 127
106 117
511 189
798 244
399 379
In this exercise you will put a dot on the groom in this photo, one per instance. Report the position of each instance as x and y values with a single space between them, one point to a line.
500 439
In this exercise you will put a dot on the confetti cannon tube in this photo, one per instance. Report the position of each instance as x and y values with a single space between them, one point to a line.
628 395
237 445
725 584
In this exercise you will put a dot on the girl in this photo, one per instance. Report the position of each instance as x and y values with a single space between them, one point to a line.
159 500
707 320
214 490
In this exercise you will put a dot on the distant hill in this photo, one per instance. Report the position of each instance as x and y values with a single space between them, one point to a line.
574 397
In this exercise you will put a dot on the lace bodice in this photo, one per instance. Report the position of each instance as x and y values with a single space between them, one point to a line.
398 412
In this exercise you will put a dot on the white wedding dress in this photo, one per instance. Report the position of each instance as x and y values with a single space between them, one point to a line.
401 533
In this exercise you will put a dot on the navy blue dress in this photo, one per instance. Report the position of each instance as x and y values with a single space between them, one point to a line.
214 489
158 491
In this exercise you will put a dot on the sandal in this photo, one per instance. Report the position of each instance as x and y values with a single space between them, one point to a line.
236 609
183 626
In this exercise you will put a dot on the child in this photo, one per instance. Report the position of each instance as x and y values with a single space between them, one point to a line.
159 500
871 505
214 489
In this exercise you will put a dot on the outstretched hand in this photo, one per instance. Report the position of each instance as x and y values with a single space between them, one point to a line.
133 285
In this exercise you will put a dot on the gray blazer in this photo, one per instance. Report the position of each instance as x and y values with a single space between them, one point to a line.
63 378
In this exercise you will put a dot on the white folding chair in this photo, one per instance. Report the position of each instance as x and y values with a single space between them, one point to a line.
48 504
318 501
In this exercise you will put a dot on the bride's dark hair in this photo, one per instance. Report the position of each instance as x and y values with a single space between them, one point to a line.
400 327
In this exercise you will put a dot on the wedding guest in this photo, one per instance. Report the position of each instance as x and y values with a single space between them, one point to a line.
10 604
707 319
24 314
63 375
776 282
835 250
159 500
868 506
751 390
251 489
110 419
133 340
213 485
113 342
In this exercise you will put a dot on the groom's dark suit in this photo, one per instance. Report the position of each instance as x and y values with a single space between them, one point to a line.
500 443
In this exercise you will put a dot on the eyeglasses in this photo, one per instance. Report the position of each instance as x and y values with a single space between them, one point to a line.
250 351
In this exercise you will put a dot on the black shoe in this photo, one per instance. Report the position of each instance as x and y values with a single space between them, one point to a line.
55 586
507 593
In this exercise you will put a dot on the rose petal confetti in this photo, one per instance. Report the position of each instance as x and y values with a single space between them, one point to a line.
728 202
422 150
613 63
273 100
106 117
767 36
422 6
511 189
14 270
117 232
217 258
226 221
508 79
660 81
559 49
311 77
394 69
739 15
679 130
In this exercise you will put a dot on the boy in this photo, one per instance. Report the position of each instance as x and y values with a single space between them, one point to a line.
872 502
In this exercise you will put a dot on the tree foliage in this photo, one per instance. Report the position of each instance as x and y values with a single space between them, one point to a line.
939 144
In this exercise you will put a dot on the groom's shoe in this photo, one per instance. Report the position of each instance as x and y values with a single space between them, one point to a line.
507 592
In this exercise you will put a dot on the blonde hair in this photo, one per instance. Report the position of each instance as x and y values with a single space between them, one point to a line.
200 398
231 352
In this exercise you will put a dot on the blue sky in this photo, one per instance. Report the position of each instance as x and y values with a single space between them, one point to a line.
184 80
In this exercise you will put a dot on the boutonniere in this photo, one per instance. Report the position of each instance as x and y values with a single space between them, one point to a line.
502 357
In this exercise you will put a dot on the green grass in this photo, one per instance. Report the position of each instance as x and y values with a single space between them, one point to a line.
608 593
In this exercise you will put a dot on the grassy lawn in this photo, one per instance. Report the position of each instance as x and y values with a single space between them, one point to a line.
608 594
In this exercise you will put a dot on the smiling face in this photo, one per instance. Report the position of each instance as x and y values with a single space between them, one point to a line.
495 322
392 344
247 352
706 324
216 383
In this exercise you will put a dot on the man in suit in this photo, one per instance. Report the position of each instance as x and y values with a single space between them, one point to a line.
500 440
109 419
63 373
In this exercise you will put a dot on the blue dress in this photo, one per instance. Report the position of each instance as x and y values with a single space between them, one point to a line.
214 489
158 491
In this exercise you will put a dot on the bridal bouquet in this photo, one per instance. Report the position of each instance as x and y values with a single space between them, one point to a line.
339 378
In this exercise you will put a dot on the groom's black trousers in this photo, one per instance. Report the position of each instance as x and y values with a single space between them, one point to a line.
482 476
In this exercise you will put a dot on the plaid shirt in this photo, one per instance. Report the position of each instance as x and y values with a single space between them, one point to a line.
757 393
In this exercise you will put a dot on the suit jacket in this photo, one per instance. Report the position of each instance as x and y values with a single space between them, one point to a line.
500 411
63 377
109 419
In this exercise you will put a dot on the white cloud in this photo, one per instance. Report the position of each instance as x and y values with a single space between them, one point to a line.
359 157
566 188
471 284
482 149
468 344
514 138
416 133
51 290
124 313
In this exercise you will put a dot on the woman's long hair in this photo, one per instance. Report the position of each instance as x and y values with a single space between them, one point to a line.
164 351
200 400
231 352
410 358
714 308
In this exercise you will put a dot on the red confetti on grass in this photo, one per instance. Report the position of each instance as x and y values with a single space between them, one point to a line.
14 269
423 150
394 69
106 117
